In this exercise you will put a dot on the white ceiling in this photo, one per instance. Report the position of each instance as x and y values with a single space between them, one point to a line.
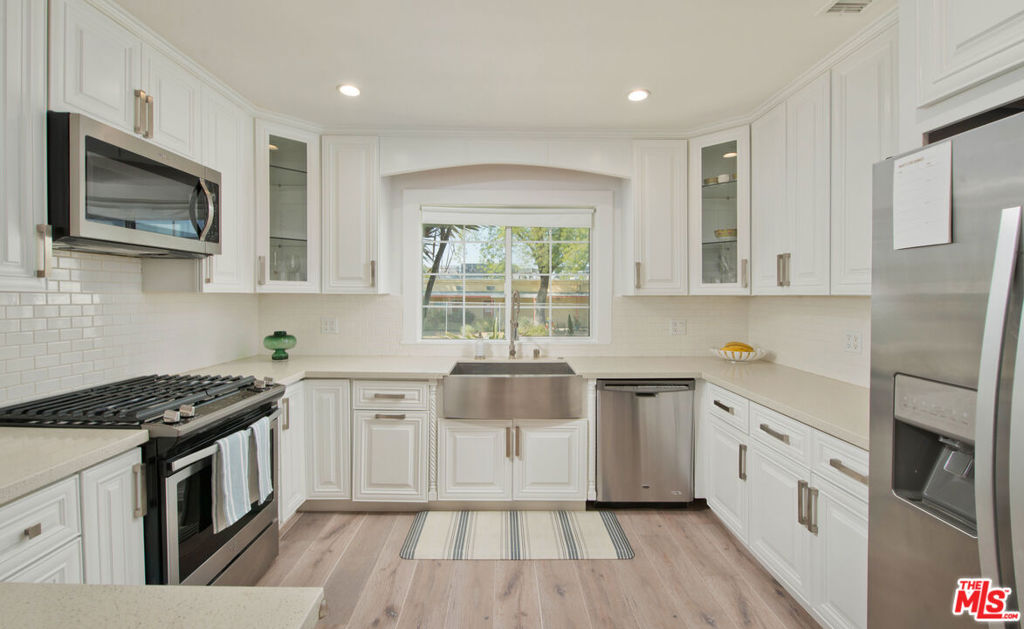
505 64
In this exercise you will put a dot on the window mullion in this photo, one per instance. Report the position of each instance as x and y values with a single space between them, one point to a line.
508 282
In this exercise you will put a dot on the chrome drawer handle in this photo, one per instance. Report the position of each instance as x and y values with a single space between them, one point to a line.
389 396
784 438
34 531
727 409
848 471
386 416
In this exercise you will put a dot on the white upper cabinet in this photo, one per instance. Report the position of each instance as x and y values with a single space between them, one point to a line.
23 138
659 217
175 105
719 212
101 69
769 228
227 148
288 209
864 131
95 66
351 185
790 225
807 189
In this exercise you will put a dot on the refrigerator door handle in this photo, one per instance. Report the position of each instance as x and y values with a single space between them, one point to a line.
1016 464
1007 246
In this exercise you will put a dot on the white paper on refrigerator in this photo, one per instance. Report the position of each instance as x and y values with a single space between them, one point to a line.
922 198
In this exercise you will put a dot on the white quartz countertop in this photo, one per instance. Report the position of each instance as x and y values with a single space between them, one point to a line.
164 606
32 458
832 406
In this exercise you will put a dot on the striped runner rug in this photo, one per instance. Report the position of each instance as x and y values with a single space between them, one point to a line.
516 535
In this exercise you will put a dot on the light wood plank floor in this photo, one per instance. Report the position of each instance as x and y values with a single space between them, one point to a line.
688 572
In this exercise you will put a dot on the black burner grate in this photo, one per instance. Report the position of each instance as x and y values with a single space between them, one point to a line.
125 404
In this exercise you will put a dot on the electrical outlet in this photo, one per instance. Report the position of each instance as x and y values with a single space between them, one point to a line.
852 341
677 327
328 325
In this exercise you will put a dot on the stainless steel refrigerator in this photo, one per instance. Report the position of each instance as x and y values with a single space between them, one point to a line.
947 404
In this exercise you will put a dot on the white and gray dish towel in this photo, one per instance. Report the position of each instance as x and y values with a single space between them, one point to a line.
241 477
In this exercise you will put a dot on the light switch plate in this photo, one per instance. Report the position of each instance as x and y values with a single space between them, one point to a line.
853 341
328 325
677 327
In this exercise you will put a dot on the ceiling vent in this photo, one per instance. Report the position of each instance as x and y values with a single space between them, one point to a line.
843 6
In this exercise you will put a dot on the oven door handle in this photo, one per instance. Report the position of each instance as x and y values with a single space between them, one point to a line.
199 455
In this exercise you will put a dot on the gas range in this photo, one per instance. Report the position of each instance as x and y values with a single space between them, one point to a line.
165 405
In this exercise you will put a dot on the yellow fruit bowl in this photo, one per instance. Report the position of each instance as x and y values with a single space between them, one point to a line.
740 357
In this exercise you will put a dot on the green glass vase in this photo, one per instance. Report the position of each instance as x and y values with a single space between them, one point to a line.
279 341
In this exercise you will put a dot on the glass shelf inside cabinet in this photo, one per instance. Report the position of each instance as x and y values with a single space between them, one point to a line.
719 214
288 230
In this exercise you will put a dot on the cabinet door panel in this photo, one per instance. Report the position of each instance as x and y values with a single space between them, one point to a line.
389 457
863 132
549 460
841 557
659 207
112 534
776 537
176 94
95 65
328 439
473 460
727 491
227 148
768 210
807 192
63 565
292 460
350 214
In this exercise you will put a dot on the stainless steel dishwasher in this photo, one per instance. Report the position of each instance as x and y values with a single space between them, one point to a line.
645 440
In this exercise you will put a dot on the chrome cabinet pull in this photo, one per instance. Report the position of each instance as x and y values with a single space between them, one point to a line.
744 273
727 409
140 97
389 416
287 413
785 268
45 251
637 283
519 441
849 471
743 461
209 270
801 511
34 531
389 396
261 269
508 442
784 438
778 270
812 508
373 273
139 478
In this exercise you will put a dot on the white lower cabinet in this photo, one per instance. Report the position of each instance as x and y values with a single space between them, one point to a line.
840 556
778 536
113 507
63 565
549 460
726 476
389 456
328 439
512 460
292 459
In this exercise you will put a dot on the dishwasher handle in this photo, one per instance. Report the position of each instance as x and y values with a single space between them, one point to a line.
646 388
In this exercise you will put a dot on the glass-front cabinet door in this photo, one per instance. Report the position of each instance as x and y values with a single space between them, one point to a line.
288 206
719 211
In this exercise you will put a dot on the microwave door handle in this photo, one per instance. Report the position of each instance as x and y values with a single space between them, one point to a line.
193 209
209 210
1007 246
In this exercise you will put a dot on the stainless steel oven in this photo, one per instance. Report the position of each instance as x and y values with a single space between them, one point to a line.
112 192
194 553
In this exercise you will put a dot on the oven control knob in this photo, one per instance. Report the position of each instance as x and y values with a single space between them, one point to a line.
187 411
268 381
172 417
258 384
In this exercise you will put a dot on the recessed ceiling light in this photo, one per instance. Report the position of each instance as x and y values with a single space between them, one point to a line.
729 155
272 147
348 90
638 95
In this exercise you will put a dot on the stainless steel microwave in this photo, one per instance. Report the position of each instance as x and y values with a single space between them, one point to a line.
112 192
